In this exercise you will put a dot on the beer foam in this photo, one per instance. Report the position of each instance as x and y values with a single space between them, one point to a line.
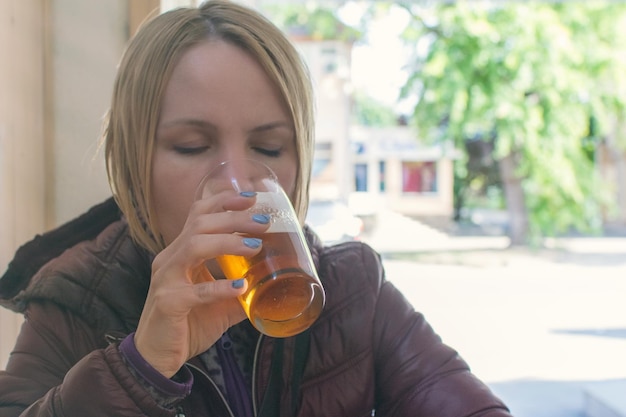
277 206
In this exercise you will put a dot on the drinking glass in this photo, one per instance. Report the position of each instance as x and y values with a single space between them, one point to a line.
284 295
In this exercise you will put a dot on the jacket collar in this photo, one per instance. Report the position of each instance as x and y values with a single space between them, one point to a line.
33 255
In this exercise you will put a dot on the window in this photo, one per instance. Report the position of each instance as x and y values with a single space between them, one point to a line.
419 177
330 66
319 165
322 157
382 170
360 177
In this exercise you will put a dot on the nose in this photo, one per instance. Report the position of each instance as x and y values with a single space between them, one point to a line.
234 170
232 151
249 175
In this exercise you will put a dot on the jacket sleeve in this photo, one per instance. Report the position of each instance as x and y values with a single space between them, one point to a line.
57 368
417 374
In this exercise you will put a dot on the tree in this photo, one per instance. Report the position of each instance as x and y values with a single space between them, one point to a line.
311 20
370 112
532 76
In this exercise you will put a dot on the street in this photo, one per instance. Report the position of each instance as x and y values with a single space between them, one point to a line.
540 328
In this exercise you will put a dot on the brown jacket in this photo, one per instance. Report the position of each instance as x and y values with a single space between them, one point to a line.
368 351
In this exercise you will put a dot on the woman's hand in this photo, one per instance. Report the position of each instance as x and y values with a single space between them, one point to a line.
186 309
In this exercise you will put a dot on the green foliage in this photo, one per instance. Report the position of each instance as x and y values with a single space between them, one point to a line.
534 74
311 20
370 112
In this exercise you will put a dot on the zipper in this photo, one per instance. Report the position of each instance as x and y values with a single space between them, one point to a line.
236 385
255 405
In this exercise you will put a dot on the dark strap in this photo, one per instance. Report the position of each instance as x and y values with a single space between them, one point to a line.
270 406
299 361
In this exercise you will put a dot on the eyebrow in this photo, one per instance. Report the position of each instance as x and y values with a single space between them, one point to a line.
208 125
190 122
273 125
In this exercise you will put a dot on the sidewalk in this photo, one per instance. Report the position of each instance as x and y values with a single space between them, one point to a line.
396 233
546 330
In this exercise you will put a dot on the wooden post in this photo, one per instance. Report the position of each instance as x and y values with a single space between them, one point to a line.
22 192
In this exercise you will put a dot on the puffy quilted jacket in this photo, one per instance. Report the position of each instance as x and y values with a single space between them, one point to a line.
82 288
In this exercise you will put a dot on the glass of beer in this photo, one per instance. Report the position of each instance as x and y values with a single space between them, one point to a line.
284 295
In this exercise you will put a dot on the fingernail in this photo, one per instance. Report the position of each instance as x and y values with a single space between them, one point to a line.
261 218
238 283
247 193
252 242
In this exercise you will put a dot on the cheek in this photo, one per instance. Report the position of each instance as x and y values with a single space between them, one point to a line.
287 179
289 185
172 195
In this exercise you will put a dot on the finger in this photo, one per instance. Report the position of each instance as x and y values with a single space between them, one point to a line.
202 274
185 258
228 222
220 289
200 248
228 200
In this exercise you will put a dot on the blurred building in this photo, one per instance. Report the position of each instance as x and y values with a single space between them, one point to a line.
370 168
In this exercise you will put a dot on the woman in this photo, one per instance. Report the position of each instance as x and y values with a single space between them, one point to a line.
127 321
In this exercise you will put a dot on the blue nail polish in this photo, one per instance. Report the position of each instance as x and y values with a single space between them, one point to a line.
252 242
247 193
261 218
238 283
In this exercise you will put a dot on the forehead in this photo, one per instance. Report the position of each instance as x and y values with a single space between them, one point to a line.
219 75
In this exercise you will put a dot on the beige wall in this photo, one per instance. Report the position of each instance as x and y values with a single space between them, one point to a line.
55 90
395 145
87 40
437 204
21 136
329 65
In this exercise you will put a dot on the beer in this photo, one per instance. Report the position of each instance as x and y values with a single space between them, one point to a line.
284 295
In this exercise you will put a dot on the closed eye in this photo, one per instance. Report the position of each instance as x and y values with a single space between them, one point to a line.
272 153
190 150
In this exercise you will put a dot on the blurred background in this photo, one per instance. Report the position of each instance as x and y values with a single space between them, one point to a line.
479 146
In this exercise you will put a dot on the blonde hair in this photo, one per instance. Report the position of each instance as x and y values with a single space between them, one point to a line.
144 71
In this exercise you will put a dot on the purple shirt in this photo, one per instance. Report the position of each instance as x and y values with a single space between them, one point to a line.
176 388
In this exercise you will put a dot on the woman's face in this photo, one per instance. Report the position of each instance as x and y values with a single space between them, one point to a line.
219 104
